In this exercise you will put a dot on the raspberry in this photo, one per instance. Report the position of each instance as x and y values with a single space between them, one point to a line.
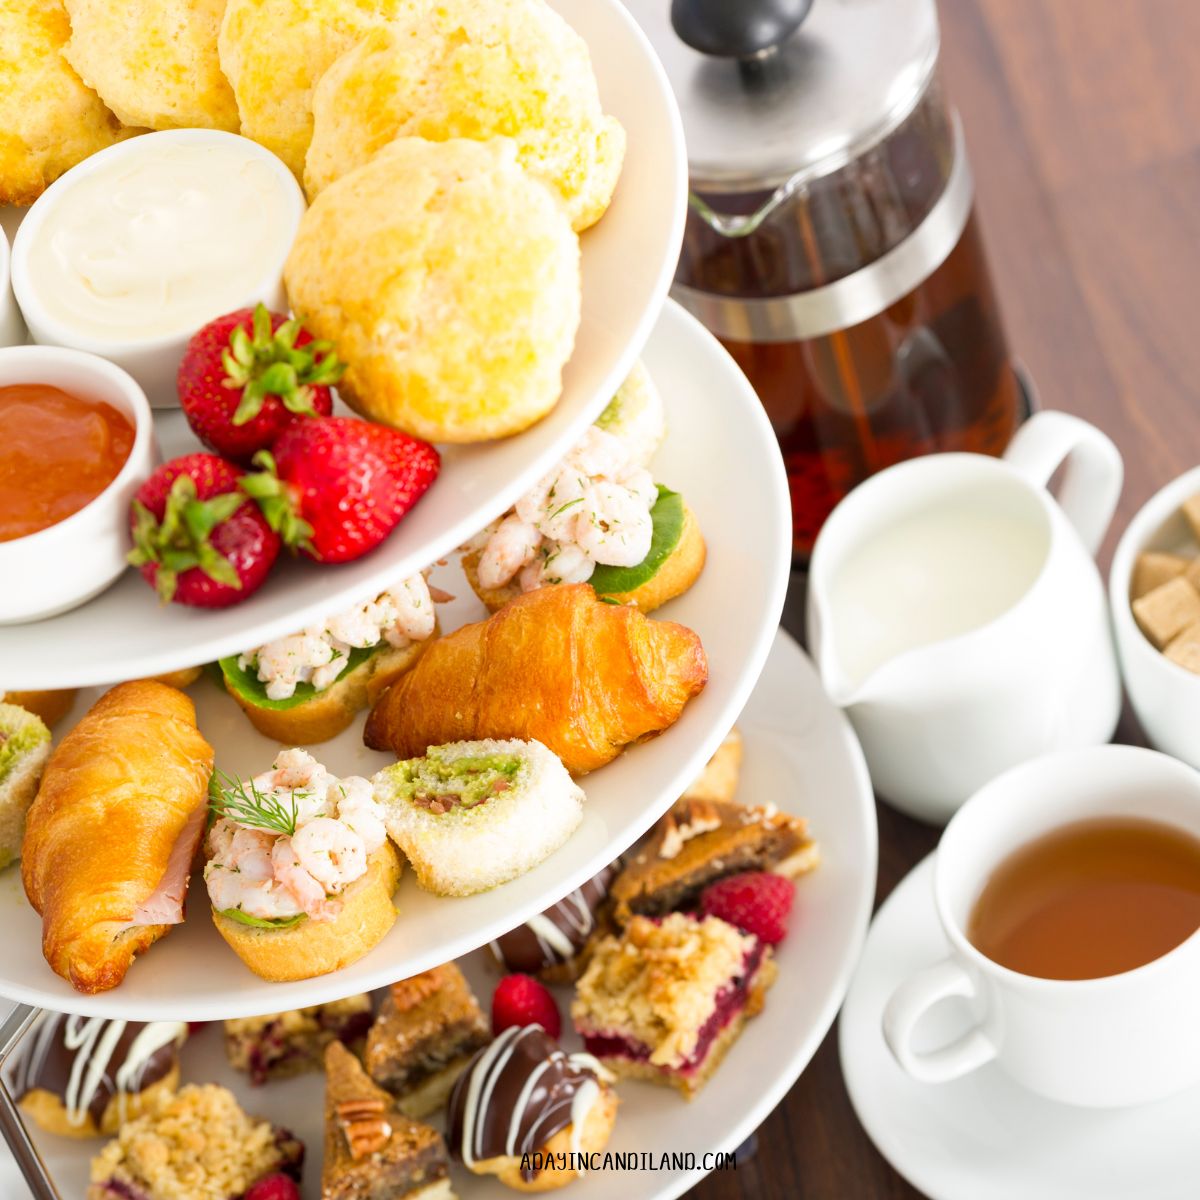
274 1187
755 901
521 1000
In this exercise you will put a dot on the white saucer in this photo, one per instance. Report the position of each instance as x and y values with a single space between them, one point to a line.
983 1137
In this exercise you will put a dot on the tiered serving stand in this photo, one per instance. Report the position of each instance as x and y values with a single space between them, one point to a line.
722 455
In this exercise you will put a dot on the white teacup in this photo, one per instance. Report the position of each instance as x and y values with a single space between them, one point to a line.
939 719
1101 1043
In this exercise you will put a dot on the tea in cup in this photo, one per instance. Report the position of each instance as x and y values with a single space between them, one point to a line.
956 613
1069 891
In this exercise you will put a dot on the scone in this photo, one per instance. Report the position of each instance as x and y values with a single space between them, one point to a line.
50 706
522 1096
460 69
274 51
449 281
49 118
154 62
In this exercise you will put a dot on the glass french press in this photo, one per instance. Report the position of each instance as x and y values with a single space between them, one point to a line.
831 242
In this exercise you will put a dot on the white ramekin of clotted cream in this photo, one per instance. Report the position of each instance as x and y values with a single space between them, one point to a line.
132 251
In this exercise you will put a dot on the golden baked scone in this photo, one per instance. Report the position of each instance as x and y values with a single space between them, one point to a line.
274 51
49 118
50 706
508 68
154 62
449 281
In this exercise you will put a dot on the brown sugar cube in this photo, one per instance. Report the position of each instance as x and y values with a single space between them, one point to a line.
1155 568
1185 649
1192 574
1191 510
1167 611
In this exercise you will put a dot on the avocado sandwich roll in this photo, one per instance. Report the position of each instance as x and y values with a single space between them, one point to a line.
24 749
472 815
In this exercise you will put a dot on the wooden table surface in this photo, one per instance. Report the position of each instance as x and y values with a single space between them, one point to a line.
1083 125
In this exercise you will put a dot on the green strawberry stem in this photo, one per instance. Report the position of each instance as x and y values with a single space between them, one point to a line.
180 541
264 364
274 499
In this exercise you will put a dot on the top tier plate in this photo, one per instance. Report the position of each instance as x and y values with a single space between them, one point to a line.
628 261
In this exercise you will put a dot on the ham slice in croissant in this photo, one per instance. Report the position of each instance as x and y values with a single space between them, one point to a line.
110 838
556 665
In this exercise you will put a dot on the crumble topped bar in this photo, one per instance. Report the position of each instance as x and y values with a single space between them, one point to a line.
200 1145
658 984
288 1043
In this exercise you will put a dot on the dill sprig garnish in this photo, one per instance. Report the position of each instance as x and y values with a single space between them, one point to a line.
228 797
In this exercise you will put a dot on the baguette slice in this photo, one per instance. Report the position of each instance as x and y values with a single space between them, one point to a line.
329 712
312 948
678 571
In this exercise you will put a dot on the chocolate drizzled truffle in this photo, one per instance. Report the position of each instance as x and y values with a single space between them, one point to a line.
85 1063
517 1094
550 944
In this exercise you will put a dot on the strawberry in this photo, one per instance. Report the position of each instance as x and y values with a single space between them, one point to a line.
197 538
335 487
247 376
521 1000
756 902
273 1187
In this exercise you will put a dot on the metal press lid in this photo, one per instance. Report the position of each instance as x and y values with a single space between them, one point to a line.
800 101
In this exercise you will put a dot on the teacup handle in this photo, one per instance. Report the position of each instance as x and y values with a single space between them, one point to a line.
910 1002
1092 483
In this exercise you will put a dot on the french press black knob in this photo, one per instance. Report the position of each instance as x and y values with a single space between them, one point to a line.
737 28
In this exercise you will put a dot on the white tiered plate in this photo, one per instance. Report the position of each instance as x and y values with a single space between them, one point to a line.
801 754
722 455
628 260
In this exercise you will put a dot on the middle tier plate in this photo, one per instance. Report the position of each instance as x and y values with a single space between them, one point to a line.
722 456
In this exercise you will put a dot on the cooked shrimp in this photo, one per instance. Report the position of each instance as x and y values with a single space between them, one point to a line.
358 809
565 564
250 854
292 769
407 612
292 876
257 898
510 548
617 530
330 853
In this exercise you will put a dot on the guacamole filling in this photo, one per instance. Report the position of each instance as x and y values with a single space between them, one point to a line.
16 743
244 681
440 786
667 515
242 918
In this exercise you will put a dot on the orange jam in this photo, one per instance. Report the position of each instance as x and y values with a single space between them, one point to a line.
58 452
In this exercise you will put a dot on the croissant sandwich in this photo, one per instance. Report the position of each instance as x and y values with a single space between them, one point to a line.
111 835
557 665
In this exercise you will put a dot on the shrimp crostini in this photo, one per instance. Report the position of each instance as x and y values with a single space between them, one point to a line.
299 868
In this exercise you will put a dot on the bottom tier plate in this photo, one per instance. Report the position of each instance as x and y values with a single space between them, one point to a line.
801 755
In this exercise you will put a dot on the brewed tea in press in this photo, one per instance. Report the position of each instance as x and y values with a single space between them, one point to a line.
831 243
